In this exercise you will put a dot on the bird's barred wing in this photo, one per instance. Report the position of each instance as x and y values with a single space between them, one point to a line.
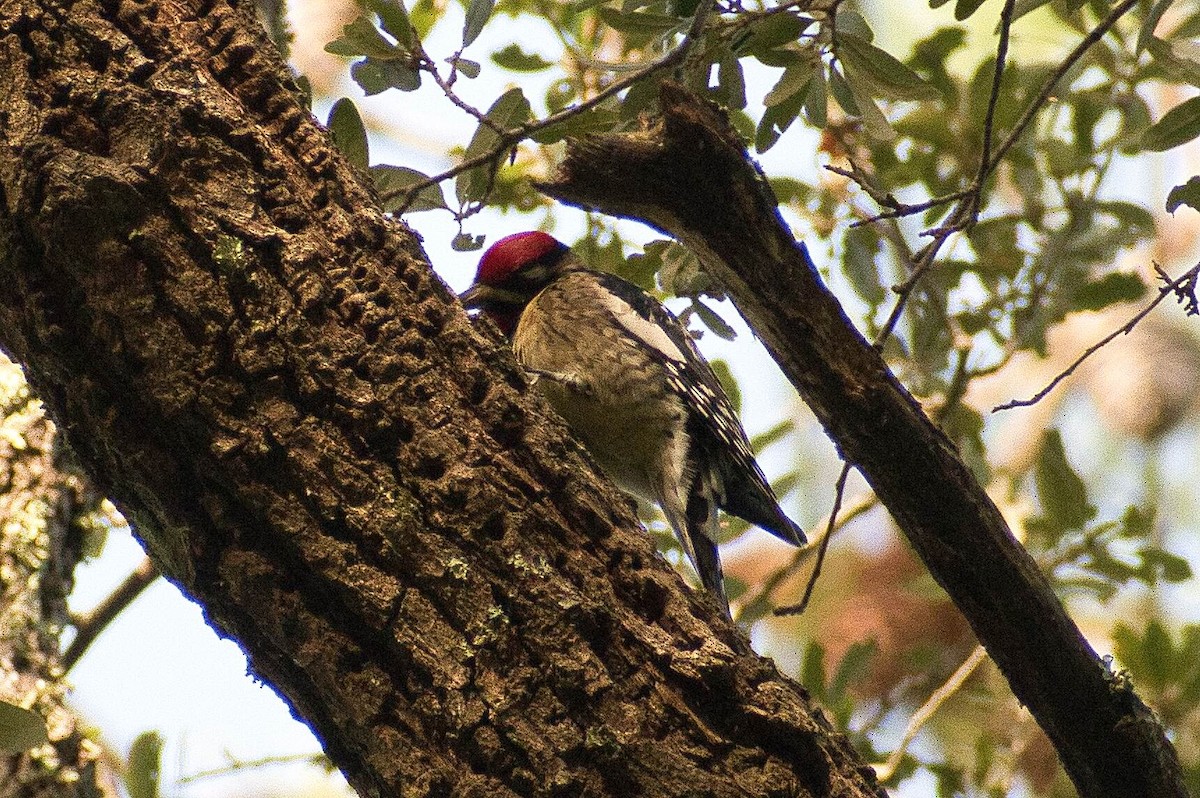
688 374
712 417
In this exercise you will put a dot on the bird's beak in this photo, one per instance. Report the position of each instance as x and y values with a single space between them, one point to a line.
481 296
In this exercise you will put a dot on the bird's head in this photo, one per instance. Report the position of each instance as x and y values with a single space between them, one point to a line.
512 272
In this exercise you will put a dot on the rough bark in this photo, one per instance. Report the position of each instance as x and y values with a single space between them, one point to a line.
42 499
690 176
314 442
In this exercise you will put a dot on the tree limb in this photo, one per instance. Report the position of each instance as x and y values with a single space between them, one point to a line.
689 175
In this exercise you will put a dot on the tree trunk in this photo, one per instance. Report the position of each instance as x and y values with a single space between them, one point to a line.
313 441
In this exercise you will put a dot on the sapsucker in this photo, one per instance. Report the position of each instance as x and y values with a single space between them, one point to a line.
626 376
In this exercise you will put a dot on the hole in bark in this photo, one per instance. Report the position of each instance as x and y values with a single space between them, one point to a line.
493 527
431 466
479 389
435 319
652 601
509 429
404 429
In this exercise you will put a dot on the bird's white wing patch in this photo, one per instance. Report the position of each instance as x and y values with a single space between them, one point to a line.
641 328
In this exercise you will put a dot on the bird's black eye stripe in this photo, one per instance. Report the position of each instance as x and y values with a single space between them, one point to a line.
536 273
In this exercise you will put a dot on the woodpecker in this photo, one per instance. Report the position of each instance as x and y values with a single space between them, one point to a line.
626 376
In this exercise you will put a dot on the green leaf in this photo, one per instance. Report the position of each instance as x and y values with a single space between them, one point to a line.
683 8
1027 6
478 13
144 765
517 60
682 275
812 669
874 122
713 321
1109 290
20 729
595 120
849 22
361 37
883 72
1062 493
644 22
640 267
423 15
1136 522
466 67
348 132
995 241
965 8
842 93
725 377
1180 60
1178 126
776 119
816 99
764 439
794 80
789 190
465 242
860 246
391 182
1188 194
395 21
731 81
1161 564
1130 215
379 76
1158 652
1127 647
1150 22
508 112
773 30
855 666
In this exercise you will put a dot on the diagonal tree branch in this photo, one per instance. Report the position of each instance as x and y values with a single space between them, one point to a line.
689 175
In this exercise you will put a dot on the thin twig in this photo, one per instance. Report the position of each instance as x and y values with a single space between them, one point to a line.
89 626
447 87
839 491
240 765
985 165
801 555
1178 288
899 209
932 704
966 211
1048 87
509 139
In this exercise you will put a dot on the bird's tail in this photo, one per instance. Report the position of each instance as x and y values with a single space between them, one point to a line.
697 530
707 560
748 495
